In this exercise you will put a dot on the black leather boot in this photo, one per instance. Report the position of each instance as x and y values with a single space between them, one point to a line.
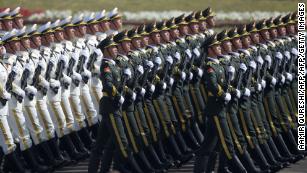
249 163
79 145
86 138
261 160
237 164
12 163
32 162
69 147
223 164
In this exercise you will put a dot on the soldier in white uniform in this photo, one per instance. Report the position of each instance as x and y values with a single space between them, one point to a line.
16 117
7 144
53 74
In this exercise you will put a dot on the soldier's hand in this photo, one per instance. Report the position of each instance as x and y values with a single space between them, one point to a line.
247 92
263 84
164 85
282 79
259 87
183 75
121 100
171 81
289 77
152 88
227 97
273 81
200 72
133 97
142 92
190 76
238 93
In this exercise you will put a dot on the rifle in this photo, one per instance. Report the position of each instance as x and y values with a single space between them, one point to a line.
92 60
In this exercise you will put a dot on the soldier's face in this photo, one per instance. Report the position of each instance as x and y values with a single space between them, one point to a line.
49 37
211 22
202 25
290 29
165 36
237 43
82 30
282 30
37 40
94 27
105 26
145 41
112 51
26 43
194 28
183 29
255 37
2 50
227 46
217 50
273 32
116 24
1 25
15 45
156 37
70 31
126 46
265 34
8 24
18 22
175 33
59 35
136 42
246 41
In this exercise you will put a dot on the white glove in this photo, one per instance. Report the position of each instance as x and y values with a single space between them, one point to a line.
278 55
158 60
133 96
273 81
152 88
247 92
54 83
28 66
183 75
196 52
6 95
127 72
177 56
149 64
169 59
253 65
164 85
190 76
289 76
19 91
283 79
121 100
98 52
263 83
200 72
140 69
259 60
143 91
269 60
66 79
259 87
15 69
171 81
287 54
227 97
294 51
243 67
31 90
188 52
238 93
76 76
42 64
85 53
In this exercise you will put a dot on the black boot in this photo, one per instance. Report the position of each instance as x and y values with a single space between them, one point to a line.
86 138
212 161
69 147
13 164
197 132
79 145
182 144
261 160
47 155
191 139
32 162
55 149
144 163
201 163
236 164
134 165
276 166
249 163
150 151
223 165
276 153
283 148
94 130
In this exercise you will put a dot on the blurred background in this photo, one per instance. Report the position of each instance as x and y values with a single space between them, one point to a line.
135 12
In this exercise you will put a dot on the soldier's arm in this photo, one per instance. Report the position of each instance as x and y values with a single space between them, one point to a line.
212 83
